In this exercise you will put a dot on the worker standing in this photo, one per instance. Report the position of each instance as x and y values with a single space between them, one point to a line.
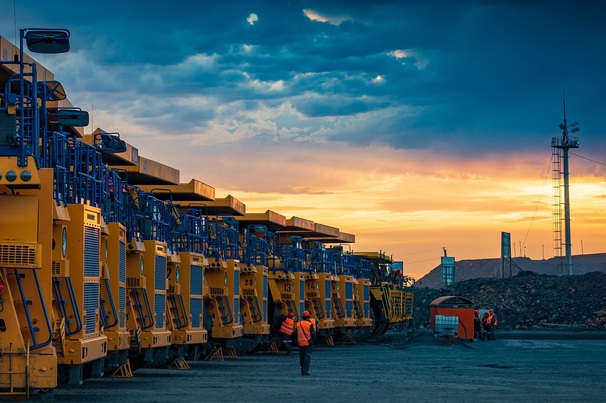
306 334
488 323
477 326
287 329
492 319
486 327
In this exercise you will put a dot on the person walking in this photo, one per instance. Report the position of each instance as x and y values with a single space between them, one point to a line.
306 334
287 328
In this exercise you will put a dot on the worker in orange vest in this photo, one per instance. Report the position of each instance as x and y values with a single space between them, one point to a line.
489 322
287 329
306 334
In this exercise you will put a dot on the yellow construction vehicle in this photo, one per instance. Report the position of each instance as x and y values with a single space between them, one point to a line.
188 243
108 261
277 284
50 231
113 296
253 289
390 302
222 285
146 266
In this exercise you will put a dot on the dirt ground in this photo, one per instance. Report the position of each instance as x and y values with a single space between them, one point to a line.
532 367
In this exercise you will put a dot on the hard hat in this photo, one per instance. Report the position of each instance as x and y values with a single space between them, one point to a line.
476 311
290 315
306 314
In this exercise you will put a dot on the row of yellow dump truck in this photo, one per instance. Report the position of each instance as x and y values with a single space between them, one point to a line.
108 263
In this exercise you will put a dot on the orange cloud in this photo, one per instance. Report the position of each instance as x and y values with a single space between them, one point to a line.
403 202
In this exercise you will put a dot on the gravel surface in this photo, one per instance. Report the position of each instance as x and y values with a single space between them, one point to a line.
524 366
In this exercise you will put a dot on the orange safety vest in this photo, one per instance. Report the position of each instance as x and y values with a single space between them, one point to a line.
288 326
304 332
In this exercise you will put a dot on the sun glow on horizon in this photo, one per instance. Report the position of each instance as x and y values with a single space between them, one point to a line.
397 202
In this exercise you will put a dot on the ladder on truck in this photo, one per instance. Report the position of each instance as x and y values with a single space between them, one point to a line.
12 390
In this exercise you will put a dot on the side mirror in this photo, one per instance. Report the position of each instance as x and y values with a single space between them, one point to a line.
46 40
53 90
111 143
74 117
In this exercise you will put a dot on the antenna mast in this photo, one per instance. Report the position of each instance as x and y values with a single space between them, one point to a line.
560 149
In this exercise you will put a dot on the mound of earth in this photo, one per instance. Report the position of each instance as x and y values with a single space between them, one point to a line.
527 300
496 267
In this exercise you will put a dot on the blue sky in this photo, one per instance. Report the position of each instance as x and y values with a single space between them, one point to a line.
285 103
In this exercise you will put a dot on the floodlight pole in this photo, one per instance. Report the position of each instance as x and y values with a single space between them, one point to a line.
565 144
567 232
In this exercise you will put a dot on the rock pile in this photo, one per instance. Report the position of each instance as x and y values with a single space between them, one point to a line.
528 300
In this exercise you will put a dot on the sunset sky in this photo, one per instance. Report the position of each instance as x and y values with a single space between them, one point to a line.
415 125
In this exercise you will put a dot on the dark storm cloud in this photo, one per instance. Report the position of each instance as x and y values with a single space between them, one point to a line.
465 75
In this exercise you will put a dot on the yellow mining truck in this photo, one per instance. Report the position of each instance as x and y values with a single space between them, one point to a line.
188 243
391 304
222 316
107 260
